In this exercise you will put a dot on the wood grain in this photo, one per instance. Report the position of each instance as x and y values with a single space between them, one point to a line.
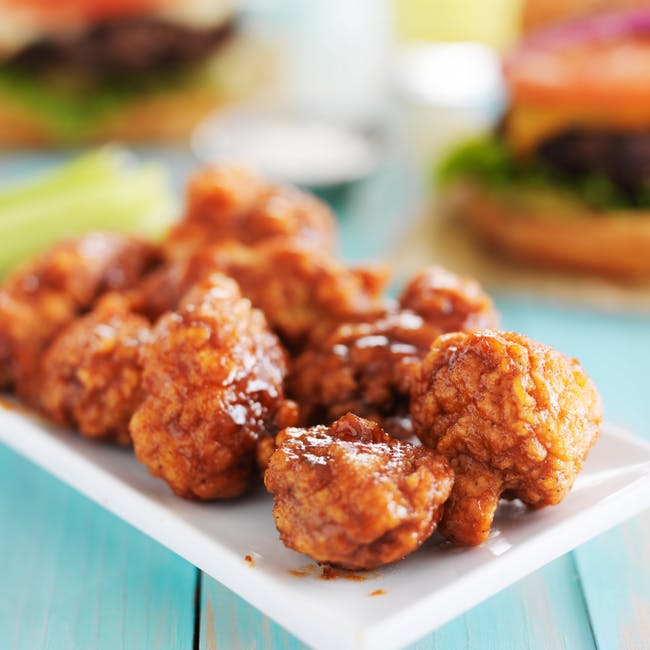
544 610
75 576
614 569
616 579
228 621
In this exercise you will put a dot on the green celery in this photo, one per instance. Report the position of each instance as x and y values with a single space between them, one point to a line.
132 201
488 160
102 164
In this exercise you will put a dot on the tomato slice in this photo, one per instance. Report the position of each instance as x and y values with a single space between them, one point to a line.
62 11
575 67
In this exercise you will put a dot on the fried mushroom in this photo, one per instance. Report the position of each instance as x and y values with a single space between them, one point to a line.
364 368
91 372
352 496
299 289
367 367
43 295
213 385
231 204
449 302
515 418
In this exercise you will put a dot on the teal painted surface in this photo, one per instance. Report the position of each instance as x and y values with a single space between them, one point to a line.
545 610
373 214
615 349
227 621
616 579
74 576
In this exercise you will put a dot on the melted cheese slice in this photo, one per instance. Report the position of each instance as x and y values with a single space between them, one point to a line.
527 126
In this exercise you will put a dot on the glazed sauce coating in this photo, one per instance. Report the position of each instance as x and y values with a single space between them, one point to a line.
45 294
213 384
351 496
367 367
231 204
91 372
513 416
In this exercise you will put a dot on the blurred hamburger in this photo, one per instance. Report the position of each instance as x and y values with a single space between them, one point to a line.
565 180
92 70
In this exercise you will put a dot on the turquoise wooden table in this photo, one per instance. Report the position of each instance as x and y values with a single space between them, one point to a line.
74 576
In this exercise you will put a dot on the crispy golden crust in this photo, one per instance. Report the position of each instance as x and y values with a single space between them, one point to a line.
162 289
352 496
226 203
82 268
512 415
449 302
91 372
614 244
299 289
234 222
366 368
45 294
212 379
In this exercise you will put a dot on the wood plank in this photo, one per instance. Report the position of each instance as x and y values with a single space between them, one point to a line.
614 568
616 579
75 576
545 610
228 621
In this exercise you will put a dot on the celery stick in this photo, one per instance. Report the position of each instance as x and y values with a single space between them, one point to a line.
143 182
138 203
104 164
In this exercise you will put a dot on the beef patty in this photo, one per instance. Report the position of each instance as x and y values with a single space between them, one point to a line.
126 47
624 158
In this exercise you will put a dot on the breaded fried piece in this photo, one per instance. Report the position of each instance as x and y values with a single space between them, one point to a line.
91 372
226 203
352 496
514 417
366 367
298 288
45 294
162 289
450 302
212 379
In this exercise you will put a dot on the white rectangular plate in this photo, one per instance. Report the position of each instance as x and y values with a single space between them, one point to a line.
418 594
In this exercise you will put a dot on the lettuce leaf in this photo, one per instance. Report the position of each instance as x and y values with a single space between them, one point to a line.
69 105
488 161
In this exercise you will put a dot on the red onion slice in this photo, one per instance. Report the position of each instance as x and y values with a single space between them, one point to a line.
600 27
